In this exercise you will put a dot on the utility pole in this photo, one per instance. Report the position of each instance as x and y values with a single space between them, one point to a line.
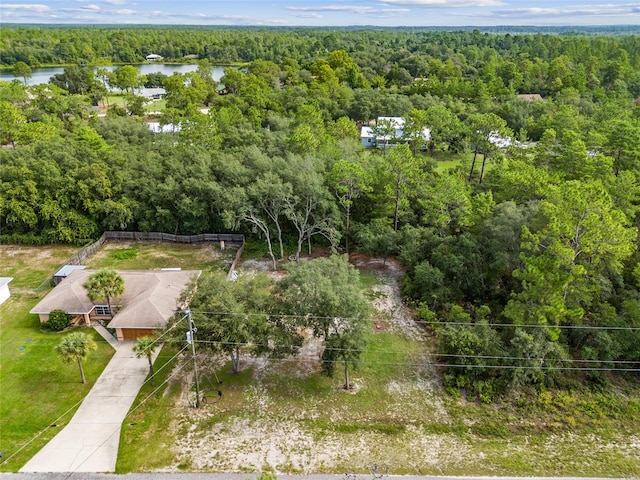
192 340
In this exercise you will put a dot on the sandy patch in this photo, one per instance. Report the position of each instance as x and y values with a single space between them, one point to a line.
388 299
33 253
285 446
261 441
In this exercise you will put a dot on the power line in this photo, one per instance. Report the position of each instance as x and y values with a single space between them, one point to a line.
157 339
41 432
570 327
495 367
162 384
422 322
134 409
484 357
35 437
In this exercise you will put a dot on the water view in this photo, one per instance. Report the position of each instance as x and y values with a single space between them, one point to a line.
42 75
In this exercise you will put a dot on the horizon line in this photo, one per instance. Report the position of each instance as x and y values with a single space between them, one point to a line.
568 25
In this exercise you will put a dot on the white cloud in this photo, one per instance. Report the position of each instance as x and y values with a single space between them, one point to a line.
576 10
445 3
349 8
115 2
31 7
308 15
92 8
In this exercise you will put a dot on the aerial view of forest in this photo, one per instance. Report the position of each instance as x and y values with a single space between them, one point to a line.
498 172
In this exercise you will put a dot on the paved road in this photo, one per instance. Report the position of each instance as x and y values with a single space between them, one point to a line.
89 442
252 476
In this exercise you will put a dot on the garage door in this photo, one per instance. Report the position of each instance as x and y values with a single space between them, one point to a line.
135 333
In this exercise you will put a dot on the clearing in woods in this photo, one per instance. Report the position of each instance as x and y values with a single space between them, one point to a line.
285 416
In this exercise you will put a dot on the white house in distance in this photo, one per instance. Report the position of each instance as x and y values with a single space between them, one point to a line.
4 289
153 57
370 139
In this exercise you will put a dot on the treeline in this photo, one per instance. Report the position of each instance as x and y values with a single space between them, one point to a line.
529 63
522 256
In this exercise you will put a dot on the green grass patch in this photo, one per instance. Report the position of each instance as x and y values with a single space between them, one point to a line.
146 440
387 429
388 356
37 388
257 249
491 430
368 279
30 266
153 255
443 166
124 253
155 106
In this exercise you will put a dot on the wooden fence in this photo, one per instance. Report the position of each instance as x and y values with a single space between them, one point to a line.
85 252
81 255
168 237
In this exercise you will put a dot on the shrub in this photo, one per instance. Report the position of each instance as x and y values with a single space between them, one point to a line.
58 320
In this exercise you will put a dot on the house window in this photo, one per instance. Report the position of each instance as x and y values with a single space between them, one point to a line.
102 310
369 140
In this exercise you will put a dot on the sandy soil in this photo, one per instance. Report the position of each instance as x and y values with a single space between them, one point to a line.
284 445
266 438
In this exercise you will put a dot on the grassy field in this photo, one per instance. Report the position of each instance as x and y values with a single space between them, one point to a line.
285 416
150 255
445 161
271 420
120 100
36 387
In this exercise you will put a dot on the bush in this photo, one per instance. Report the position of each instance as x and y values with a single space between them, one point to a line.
58 320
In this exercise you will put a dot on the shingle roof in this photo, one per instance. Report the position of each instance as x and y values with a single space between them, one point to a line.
69 295
150 297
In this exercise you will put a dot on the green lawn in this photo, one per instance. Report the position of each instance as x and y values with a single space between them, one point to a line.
30 266
152 255
396 416
155 106
37 388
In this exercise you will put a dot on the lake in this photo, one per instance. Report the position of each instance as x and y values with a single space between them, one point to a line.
42 75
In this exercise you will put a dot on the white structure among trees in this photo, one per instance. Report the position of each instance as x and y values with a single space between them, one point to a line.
390 131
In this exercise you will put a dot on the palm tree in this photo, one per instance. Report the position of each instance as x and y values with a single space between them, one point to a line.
105 284
145 347
76 346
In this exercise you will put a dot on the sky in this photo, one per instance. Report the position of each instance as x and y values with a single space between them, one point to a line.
324 12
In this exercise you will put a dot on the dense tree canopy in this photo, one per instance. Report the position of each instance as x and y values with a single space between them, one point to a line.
519 216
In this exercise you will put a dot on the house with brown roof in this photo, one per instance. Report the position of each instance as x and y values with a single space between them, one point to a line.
150 299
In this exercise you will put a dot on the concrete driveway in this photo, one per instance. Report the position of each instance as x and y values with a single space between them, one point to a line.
89 442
